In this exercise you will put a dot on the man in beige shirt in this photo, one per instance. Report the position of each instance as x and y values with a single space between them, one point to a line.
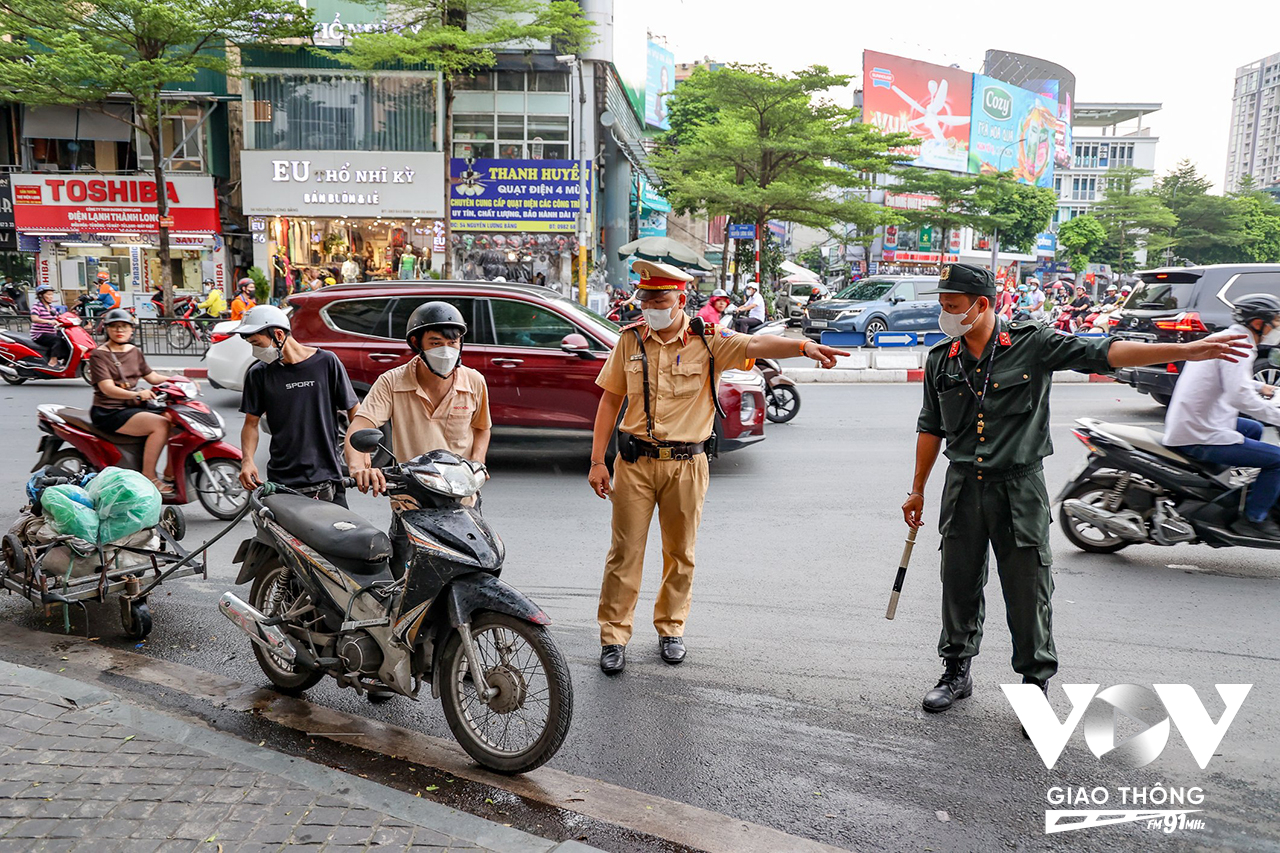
433 402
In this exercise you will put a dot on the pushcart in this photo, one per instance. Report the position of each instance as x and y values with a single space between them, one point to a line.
50 569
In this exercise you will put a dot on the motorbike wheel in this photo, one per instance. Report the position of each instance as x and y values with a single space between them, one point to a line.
179 337
14 379
84 372
222 497
273 593
782 403
1085 536
532 680
71 462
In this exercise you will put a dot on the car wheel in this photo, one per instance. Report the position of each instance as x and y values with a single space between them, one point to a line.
874 328
1162 399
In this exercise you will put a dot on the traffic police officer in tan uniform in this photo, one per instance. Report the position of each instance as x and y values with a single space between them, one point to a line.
986 392
666 369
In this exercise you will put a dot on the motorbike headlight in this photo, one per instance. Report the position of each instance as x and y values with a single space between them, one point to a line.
211 431
457 480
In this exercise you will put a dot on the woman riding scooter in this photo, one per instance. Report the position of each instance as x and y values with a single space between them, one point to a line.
44 331
114 372
714 310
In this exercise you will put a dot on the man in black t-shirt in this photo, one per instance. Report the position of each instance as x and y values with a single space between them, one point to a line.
300 390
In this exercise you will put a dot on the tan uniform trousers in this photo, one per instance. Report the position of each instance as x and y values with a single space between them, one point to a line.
677 488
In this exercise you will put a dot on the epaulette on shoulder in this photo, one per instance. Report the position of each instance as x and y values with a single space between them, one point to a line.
709 330
635 325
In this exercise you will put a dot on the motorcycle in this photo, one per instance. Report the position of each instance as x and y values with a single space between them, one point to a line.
781 395
21 358
1132 489
201 461
423 608
186 329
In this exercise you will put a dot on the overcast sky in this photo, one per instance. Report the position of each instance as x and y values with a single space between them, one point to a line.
1119 51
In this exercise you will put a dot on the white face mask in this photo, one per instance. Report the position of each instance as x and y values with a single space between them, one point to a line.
441 360
267 355
1272 338
954 325
658 318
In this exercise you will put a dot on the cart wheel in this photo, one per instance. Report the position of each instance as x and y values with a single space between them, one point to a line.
15 556
137 624
174 522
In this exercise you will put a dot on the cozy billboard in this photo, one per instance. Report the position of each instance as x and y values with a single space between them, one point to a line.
103 204
931 102
1013 130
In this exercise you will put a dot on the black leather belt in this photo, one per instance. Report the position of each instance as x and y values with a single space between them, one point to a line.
670 451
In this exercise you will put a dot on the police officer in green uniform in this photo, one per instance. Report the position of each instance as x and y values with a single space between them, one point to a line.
986 392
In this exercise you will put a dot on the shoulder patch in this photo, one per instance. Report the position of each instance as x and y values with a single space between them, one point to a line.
955 349
1005 339
727 332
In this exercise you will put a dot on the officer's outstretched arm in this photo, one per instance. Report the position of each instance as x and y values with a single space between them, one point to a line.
775 346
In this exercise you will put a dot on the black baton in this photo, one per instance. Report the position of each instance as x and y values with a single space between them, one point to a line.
902 574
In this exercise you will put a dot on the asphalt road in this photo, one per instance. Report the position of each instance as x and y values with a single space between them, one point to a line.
798 707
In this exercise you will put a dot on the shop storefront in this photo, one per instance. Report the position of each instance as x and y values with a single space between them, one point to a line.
14 264
76 226
316 209
516 219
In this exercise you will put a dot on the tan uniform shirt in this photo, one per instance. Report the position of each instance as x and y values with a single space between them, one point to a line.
415 427
679 374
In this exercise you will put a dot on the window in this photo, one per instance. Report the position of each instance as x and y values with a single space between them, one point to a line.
183 139
523 324
548 81
905 290
405 305
1084 189
342 111
510 81
358 316
1252 282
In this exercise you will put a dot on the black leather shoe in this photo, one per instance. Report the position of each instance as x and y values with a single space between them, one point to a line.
612 659
672 649
1044 688
1265 529
954 684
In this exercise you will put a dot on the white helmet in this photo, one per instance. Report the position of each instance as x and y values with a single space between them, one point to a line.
261 318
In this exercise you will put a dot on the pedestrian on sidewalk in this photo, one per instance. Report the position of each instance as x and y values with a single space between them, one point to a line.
986 393
666 368
300 390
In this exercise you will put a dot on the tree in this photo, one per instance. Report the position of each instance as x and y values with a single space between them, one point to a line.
64 52
1132 219
1261 217
1020 211
811 259
1079 239
459 38
756 145
1209 228
958 203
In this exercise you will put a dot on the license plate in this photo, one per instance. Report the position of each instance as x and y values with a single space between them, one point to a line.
818 324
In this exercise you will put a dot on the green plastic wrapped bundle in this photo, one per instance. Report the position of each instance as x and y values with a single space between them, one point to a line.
127 502
70 512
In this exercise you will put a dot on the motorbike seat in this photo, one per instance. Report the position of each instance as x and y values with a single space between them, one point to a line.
349 541
25 340
1150 441
79 418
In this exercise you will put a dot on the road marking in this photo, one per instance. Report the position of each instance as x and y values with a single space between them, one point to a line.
673 821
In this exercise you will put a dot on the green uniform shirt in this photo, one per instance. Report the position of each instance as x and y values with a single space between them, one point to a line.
1010 429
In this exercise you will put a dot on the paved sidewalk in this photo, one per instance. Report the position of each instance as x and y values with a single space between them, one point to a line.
82 769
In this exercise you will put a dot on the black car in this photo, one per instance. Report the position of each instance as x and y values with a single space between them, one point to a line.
1179 304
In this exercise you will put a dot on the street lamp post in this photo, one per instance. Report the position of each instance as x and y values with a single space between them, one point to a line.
574 64
995 232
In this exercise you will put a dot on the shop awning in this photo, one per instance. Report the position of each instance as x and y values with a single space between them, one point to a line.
79 123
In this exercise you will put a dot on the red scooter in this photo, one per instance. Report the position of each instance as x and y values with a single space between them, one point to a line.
21 358
200 460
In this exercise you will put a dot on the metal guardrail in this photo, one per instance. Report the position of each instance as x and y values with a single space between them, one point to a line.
155 335
19 323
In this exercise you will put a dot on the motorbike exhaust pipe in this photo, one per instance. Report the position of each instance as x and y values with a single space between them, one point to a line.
1104 520
249 619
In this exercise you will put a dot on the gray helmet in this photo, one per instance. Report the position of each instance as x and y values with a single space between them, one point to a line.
719 291
1255 306
118 315
262 318
433 315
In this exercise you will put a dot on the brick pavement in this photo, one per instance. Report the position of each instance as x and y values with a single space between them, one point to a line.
93 774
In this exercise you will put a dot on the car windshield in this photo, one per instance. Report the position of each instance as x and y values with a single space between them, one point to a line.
581 312
866 290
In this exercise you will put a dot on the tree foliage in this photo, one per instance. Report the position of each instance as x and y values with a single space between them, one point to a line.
1021 212
986 203
758 145
1079 240
461 37
1133 219
67 52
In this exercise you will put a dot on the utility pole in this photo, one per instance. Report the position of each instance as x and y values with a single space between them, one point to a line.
575 64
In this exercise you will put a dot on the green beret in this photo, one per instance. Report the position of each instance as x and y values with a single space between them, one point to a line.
965 278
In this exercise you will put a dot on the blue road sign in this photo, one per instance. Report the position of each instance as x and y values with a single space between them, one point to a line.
742 231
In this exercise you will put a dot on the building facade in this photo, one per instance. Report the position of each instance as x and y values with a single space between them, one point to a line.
1253 141
1106 137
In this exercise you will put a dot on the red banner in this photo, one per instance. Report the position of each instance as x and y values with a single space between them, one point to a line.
112 204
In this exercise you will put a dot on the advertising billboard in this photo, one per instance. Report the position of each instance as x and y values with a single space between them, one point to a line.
659 81
1013 130
931 102
93 204
515 195
1046 78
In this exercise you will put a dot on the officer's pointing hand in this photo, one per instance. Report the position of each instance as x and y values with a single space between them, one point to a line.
826 356
1227 348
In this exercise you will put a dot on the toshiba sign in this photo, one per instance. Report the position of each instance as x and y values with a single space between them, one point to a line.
112 204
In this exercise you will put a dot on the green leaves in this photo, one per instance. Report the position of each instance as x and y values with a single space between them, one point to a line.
1079 240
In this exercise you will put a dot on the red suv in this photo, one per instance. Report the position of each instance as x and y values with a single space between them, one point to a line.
539 352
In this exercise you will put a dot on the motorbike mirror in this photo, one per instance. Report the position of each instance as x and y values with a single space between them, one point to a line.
576 344
366 440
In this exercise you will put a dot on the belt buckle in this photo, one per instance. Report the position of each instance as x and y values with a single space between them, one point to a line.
664 453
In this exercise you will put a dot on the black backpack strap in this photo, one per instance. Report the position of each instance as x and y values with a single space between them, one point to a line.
698 327
644 368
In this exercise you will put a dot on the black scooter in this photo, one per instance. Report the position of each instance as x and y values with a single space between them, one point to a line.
1132 489
333 595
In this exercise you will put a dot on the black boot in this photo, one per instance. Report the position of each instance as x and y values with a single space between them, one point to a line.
1044 688
613 659
954 684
